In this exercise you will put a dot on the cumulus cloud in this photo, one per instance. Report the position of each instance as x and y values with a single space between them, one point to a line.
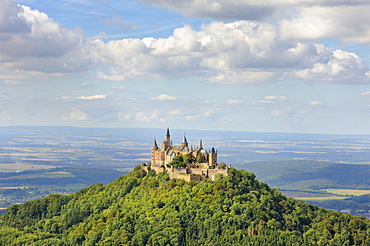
12 82
76 115
46 47
365 94
92 97
349 23
271 100
298 19
241 52
119 88
247 10
218 9
233 102
164 97
89 98
246 52
315 103
140 116
335 67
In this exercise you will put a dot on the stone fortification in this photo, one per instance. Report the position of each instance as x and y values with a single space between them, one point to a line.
192 163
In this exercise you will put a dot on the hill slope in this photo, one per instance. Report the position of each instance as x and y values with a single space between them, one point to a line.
140 209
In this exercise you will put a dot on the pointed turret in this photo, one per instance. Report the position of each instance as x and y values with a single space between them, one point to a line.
168 136
184 144
185 141
201 144
155 145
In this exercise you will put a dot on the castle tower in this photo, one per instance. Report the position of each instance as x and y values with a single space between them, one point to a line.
167 143
168 136
155 145
155 151
184 143
212 158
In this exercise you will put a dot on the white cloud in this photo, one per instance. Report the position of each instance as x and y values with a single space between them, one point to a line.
142 116
164 97
278 113
123 117
315 103
234 102
120 88
350 23
271 100
365 94
46 47
335 67
92 97
76 115
240 52
175 112
12 82
250 10
89 98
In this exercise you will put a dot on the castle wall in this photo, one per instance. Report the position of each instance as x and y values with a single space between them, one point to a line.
195 174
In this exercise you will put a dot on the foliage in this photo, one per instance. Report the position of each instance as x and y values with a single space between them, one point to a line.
199 158
139 209
179 161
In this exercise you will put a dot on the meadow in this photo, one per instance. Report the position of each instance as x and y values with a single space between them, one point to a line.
347 192
312 196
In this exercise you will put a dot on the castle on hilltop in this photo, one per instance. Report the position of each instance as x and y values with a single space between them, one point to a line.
189 163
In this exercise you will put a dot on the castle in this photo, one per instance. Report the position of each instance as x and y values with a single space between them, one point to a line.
189 163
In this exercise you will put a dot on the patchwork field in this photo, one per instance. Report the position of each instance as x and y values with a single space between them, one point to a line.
50 175
347 192
11 168
312 196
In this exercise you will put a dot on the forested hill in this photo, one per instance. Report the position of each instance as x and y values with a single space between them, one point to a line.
144 209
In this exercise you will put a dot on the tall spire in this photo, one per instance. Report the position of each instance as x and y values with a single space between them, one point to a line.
168 136
201 144
155 145
185 141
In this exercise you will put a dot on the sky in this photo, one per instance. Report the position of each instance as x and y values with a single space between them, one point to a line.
267 66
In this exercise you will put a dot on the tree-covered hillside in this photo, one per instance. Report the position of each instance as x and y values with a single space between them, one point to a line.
149 209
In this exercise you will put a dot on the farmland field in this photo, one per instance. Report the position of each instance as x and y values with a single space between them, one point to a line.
311 196
347 192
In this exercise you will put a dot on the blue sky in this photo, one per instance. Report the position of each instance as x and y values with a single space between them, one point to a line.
269 66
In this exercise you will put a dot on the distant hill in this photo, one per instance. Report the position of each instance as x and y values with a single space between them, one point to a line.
304 174
19 187
149 209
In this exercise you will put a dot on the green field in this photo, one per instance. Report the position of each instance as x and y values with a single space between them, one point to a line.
347 192
311 196
51 175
